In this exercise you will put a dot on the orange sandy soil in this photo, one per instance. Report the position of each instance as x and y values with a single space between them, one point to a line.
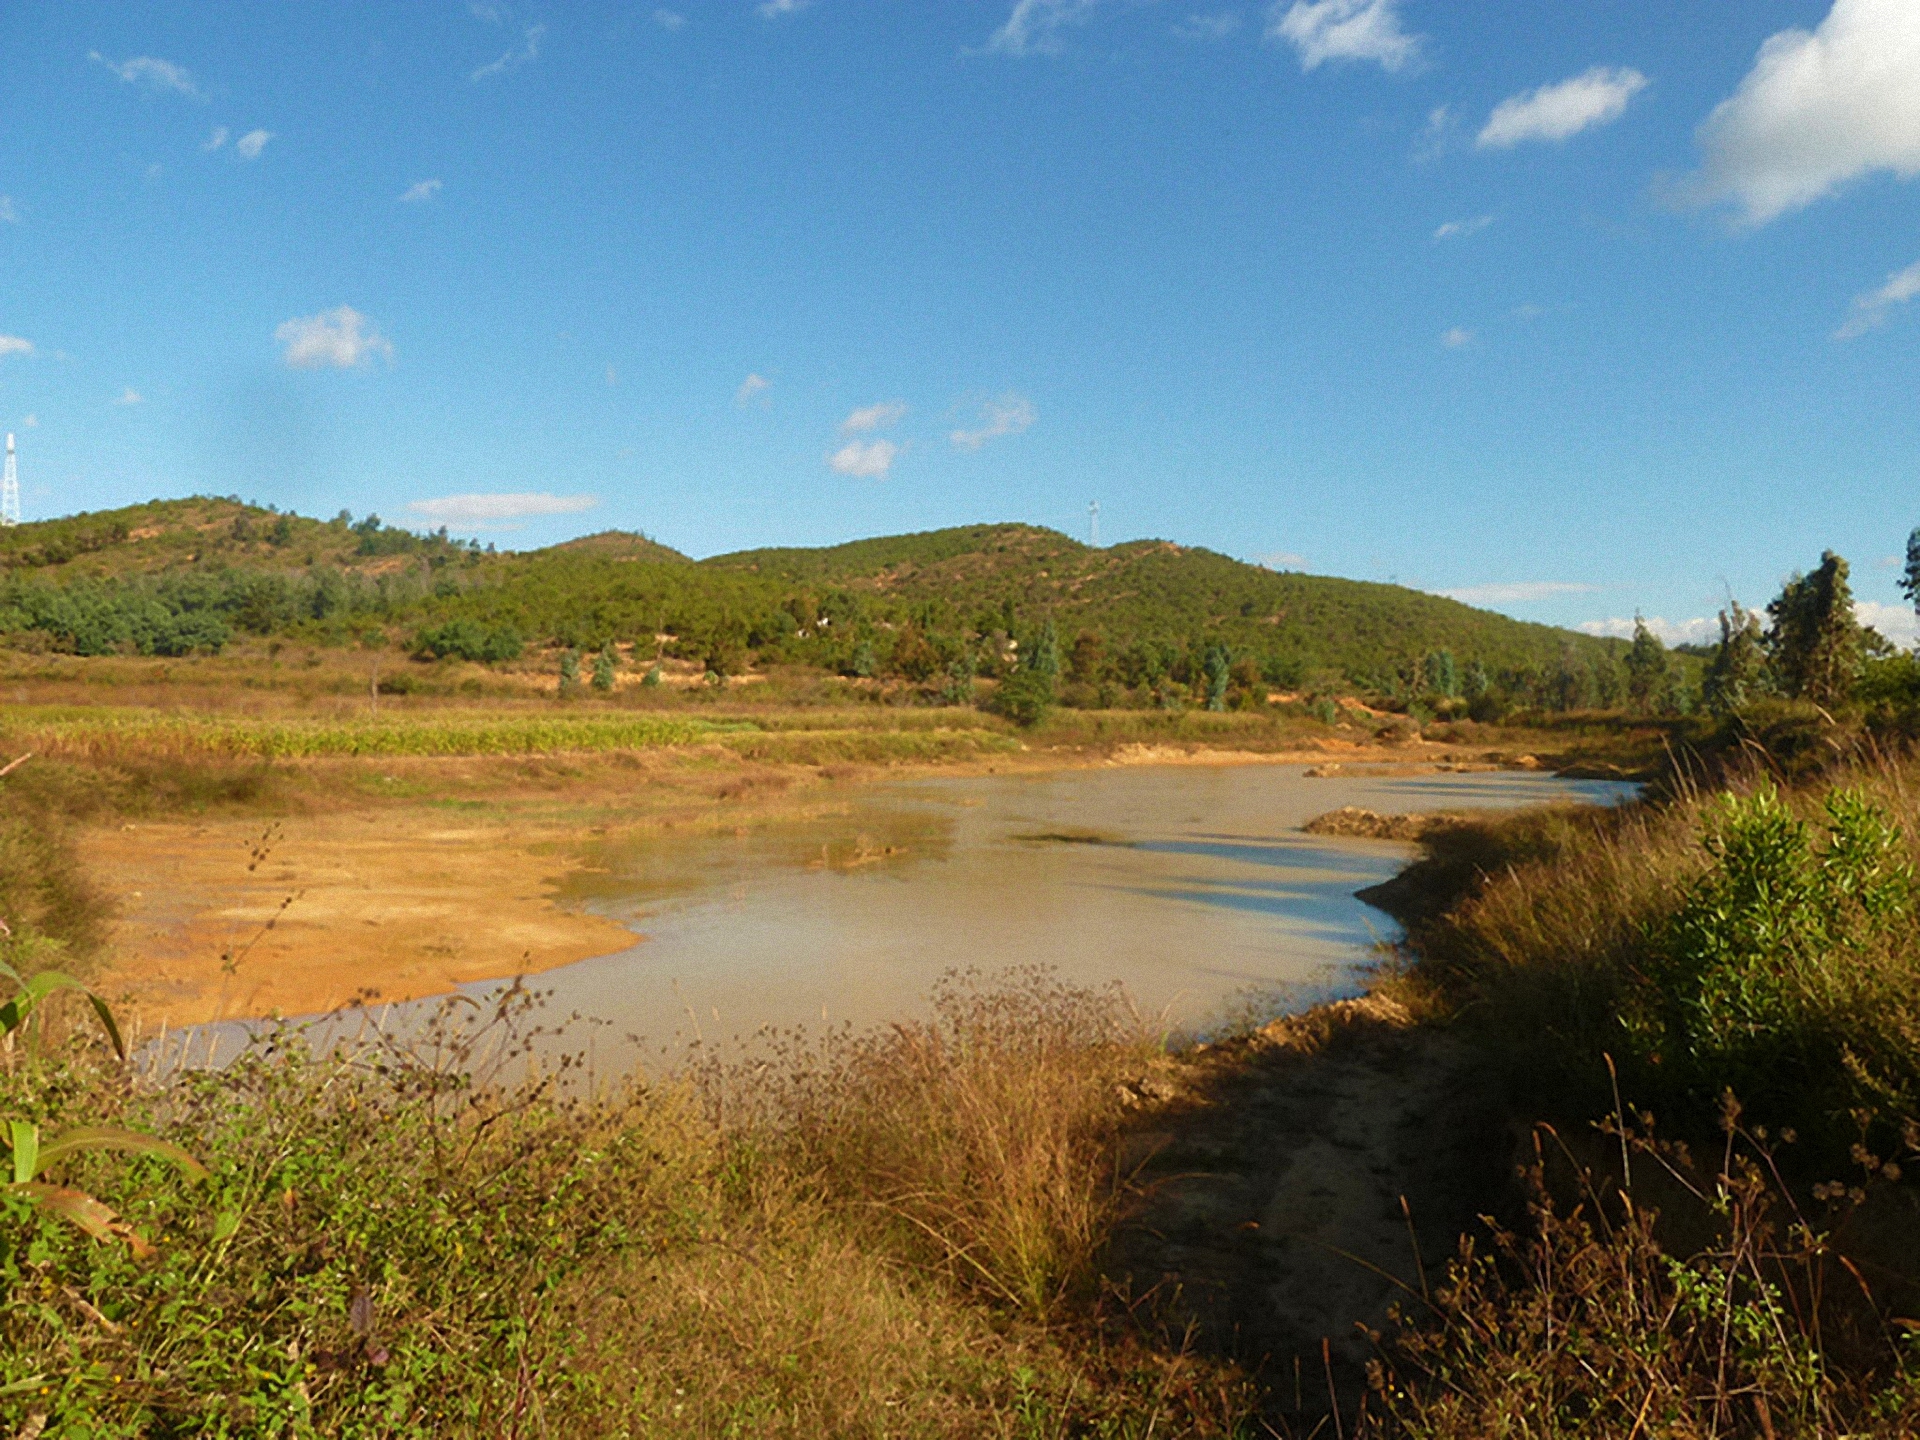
402 878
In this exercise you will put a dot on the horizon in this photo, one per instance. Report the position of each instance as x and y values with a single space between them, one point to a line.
1555 315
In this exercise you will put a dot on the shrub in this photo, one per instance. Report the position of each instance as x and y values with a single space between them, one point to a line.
464 639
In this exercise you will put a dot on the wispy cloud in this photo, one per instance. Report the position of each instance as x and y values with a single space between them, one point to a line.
1216 26
419 191
1034 26
1819 108
873 417
1559 112
489 12
9 214
493 508
1516 592
1009 415
1456 338
1460 229
754 387
341 338
865 459
249 145
1872 310
154 74
669 19
773 9
14 345
1323 30
216 139
528 52
130 396
1281 560
1696 631
30 422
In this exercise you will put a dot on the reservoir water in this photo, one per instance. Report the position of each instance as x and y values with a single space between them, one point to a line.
1193 886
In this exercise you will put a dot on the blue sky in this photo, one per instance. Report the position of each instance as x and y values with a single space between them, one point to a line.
1571 310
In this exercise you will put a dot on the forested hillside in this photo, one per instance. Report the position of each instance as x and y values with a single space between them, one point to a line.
177 577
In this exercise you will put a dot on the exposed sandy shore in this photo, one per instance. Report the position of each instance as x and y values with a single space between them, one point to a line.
393 905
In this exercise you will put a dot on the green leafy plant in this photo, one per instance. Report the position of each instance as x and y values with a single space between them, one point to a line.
31 1153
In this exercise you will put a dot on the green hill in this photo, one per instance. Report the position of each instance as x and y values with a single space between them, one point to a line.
172 577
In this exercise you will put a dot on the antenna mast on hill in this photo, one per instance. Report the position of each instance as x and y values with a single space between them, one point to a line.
10 488
1093 523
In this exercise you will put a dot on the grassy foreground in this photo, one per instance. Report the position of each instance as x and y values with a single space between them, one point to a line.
1706 1009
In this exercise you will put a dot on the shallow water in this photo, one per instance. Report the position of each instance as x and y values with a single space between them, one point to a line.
1192 886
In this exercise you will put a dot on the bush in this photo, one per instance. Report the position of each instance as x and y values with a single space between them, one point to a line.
1792 961
469 640
1024 697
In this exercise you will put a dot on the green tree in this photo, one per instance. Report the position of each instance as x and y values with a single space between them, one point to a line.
569 671
1814 640
1441 674
1737 672
1910 581
1646 667
1218 663
603 671
1044 658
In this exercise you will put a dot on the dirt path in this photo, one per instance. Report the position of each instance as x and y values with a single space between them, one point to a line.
1278 1168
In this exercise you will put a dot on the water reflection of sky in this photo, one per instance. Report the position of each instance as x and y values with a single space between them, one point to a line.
1193 887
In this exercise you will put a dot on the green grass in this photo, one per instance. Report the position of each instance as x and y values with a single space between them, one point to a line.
97 734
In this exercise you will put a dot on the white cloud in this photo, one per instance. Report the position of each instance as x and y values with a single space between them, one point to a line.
1009 415
419 191
872 417
1456 229
514 59
130 396
1898 623
613 377
216 139
1559 112
751 389
489 13
249 145
1870 311
1033 28
772 9
1209 27
341 338
1697 631
1281 560
9 215
14 345
865 459
31 422
1515 592
1457 337
482 509
1817 110
154 74
669 19
1323 30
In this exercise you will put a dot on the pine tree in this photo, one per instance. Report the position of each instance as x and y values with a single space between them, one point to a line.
1218 662
1646 667
603 671
1814 641
1910 581
569 671
1738 669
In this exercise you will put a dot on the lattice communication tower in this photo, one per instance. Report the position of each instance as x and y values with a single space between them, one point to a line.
10 488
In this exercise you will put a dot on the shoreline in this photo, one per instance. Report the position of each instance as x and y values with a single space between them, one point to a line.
453 880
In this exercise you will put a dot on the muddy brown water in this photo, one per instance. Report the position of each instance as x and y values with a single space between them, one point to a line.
1191 886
